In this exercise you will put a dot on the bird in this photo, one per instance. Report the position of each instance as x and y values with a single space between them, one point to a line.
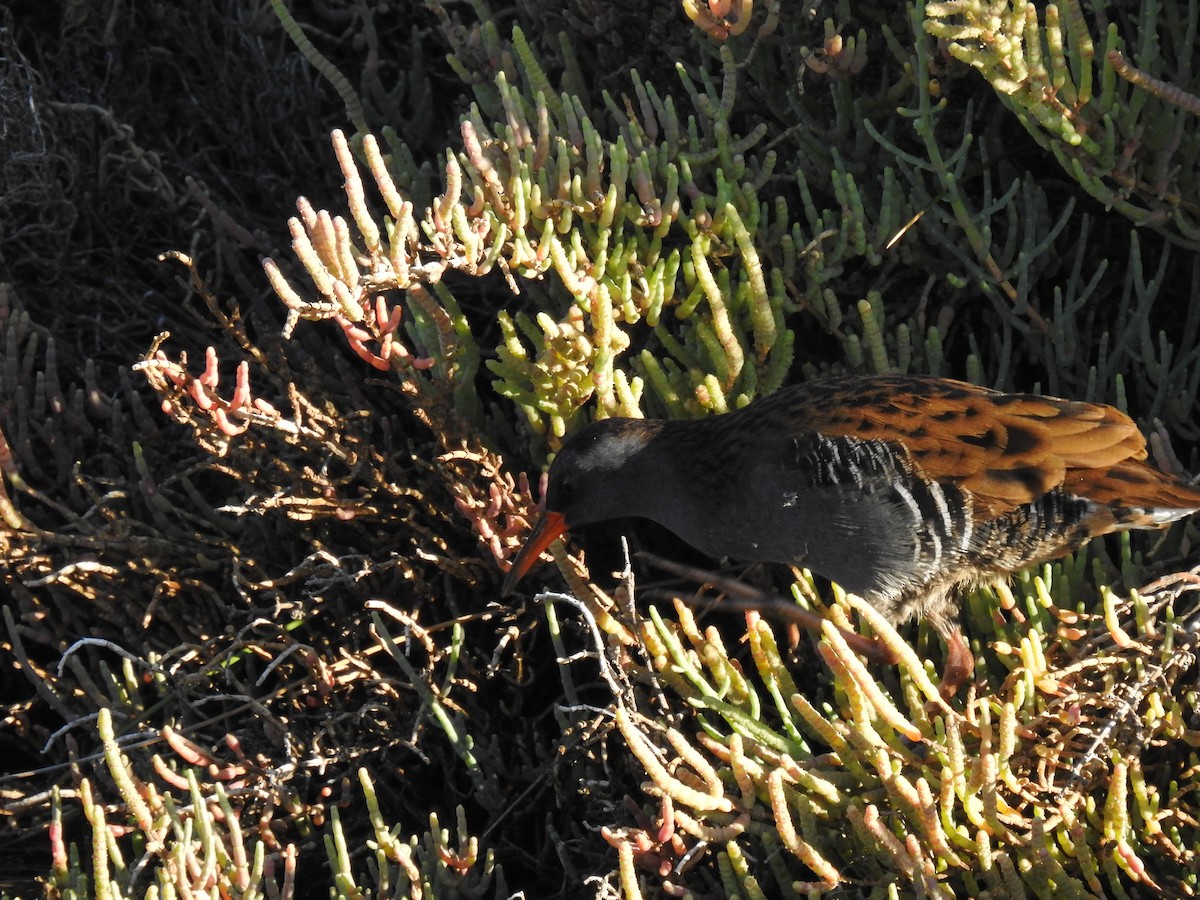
907 490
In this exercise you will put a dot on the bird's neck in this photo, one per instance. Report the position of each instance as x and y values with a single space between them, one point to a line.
679 471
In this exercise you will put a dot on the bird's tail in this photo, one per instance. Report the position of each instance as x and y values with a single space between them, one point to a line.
1161 498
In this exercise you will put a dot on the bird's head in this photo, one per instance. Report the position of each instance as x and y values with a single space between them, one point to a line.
596 476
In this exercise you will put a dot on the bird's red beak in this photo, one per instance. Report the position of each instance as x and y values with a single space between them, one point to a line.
550 526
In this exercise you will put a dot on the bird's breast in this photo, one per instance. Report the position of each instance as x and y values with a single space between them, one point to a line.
849 510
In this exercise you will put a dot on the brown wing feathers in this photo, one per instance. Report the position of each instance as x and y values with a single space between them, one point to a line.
1036 444
1004 449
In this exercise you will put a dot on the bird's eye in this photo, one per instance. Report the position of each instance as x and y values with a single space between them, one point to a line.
566 492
